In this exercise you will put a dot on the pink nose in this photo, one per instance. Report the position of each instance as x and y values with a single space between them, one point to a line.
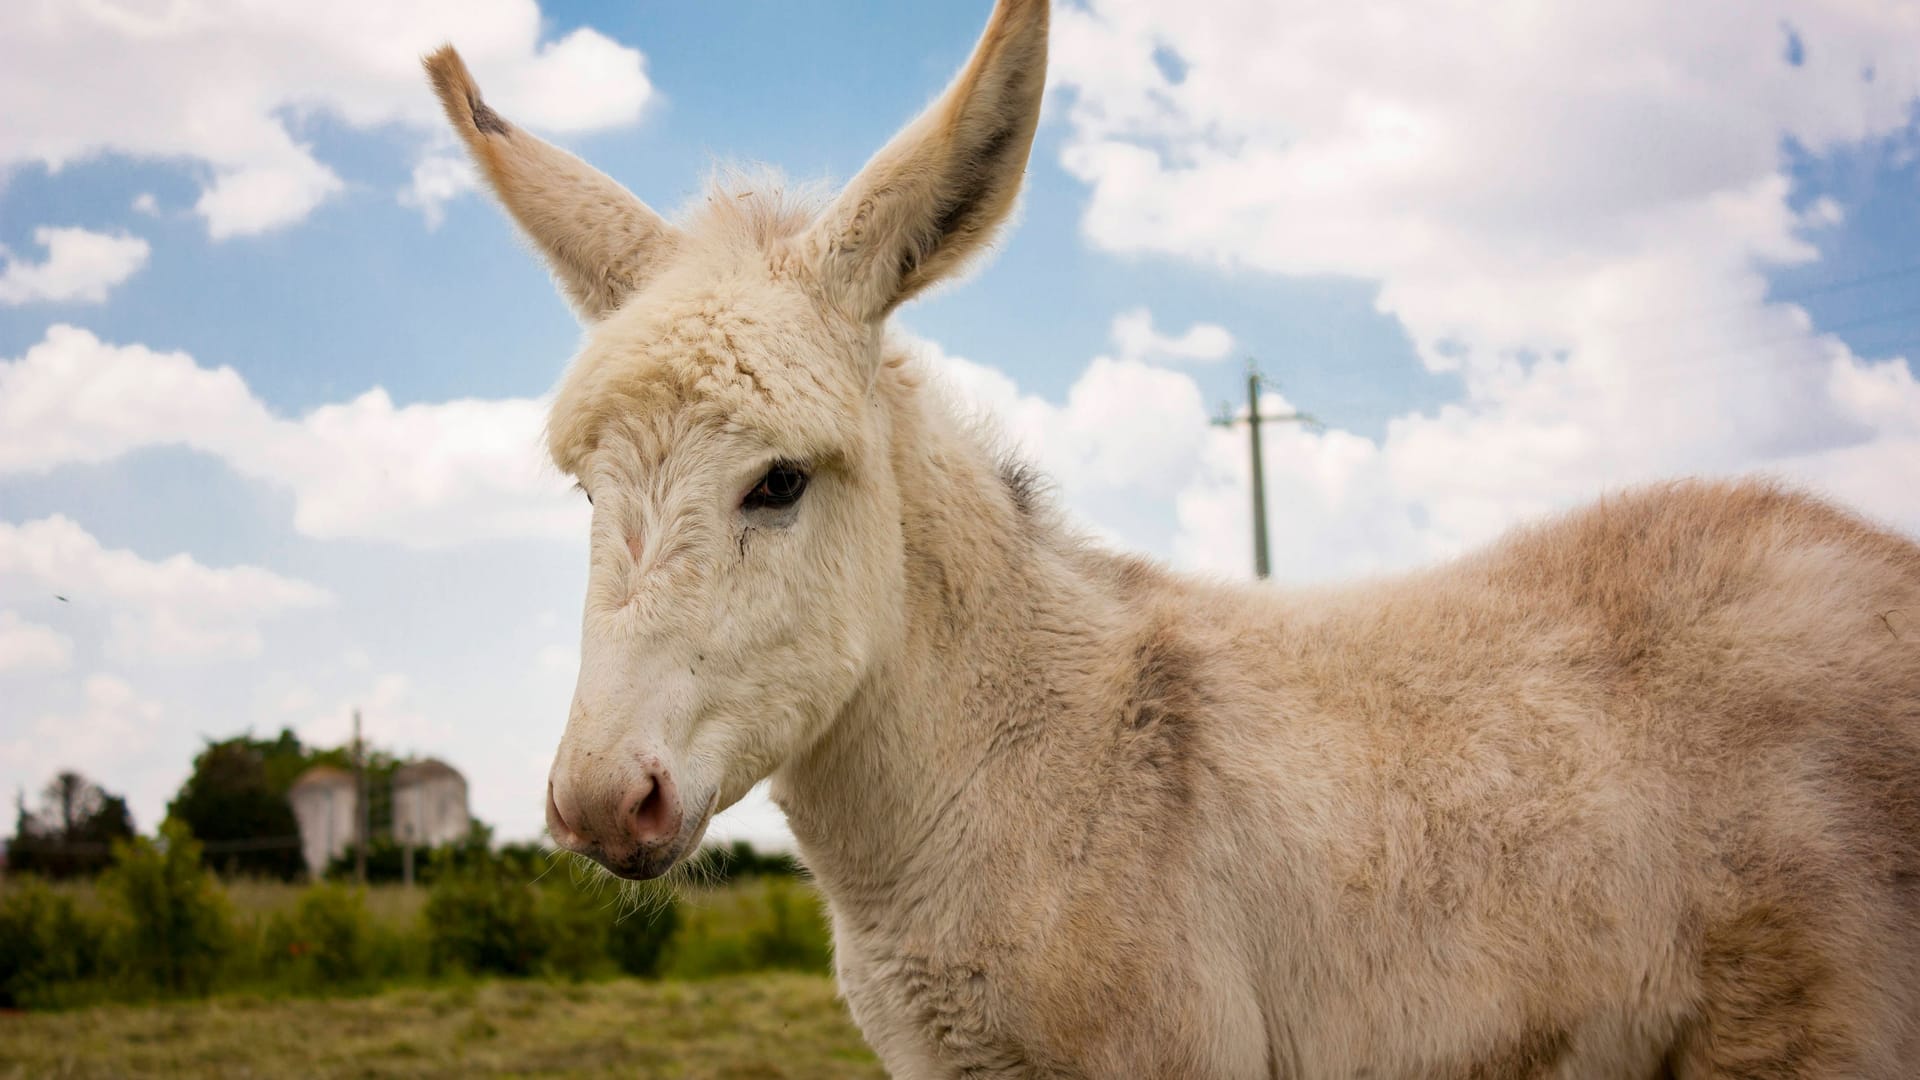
628 827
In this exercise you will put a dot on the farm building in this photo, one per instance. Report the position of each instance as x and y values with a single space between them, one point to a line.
324 803
429 804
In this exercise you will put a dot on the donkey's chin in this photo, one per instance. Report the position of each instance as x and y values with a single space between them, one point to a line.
644 865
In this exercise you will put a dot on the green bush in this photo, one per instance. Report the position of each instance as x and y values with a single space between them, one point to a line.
769 923
158 923
331 929
172 924
796 936
46 943
386 860
482 921
638 939
717 865
477 853
577 923
398 952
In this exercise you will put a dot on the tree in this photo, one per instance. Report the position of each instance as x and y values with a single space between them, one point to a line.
238 812
72 833
177 925
236 800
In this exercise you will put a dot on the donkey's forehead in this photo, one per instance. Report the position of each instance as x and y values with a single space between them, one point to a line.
746 356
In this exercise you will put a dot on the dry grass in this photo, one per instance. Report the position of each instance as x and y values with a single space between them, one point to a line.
766 1025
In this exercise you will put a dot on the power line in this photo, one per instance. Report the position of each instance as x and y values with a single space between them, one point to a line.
1846 284
1850 324
1678 363
1829 288
1677 367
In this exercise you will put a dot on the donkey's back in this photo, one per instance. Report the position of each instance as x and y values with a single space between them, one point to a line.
1640 786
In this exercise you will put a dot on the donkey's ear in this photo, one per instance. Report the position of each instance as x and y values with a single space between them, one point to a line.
934 196
600 240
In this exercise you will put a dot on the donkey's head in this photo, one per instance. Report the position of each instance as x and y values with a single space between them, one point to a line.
747 562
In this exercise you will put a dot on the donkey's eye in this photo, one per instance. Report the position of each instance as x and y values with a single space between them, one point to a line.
582 489
782 486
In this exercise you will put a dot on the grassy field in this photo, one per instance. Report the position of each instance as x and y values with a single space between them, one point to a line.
80 943
762 1025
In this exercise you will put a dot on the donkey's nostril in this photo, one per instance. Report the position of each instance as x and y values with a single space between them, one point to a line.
649 810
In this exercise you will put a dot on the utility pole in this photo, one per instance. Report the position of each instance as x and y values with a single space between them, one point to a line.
1254 420
361 817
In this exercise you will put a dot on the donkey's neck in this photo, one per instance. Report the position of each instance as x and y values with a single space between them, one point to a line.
999 602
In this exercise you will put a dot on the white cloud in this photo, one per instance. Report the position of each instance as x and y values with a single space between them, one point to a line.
390 717
1136 339
437 180
1125 424
26 646
112 734
174 609
224 84
112 726
81 266
422 475
263 197
74 398
1581 231
145 203
1127 439
1305 138
1132 439
754 819
298 699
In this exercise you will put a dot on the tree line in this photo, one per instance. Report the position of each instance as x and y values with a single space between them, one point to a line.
234 802
157 923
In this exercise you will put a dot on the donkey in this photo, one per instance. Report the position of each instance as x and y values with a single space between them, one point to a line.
1632 793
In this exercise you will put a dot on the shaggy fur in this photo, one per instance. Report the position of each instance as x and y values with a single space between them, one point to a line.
1633 793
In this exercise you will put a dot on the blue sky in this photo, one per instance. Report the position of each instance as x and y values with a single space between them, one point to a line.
1505 270
362 294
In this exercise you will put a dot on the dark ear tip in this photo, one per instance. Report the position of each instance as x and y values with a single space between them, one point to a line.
459 95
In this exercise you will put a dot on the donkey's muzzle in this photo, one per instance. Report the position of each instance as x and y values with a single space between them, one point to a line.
632 829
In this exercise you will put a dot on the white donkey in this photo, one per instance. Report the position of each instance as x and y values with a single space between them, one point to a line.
1632 794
